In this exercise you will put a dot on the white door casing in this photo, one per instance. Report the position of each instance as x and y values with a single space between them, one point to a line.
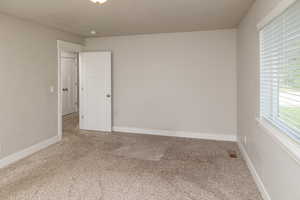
61 47
95 91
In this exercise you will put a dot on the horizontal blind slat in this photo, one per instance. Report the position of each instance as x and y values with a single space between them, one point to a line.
280 71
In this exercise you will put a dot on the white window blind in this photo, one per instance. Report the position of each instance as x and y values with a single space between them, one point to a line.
280 71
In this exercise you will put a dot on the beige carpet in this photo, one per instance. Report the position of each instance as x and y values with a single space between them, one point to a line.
98 166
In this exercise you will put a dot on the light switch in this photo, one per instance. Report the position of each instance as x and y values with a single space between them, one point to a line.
52 89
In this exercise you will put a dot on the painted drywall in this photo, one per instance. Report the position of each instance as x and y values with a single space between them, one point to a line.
174 81
279 172
28 67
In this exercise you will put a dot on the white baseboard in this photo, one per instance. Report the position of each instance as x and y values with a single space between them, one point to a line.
27 152
264 193
184 134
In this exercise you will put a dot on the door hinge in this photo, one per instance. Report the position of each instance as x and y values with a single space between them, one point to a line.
82 116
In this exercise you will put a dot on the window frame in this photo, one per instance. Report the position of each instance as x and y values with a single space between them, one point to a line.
280 132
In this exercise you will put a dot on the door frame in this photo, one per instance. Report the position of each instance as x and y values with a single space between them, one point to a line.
63 46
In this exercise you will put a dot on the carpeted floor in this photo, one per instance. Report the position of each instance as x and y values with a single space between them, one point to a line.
118 166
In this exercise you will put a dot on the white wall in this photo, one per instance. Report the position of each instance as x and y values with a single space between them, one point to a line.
177 81
28 66
278 171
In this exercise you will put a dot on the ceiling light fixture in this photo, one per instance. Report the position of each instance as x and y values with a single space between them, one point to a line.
98 1
93 32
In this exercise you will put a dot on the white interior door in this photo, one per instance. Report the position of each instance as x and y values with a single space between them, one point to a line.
68 83
95 91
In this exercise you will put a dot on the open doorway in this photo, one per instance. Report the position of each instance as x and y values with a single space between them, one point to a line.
84 87
69 91
68 87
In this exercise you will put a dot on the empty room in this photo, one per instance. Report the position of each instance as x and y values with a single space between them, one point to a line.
150 100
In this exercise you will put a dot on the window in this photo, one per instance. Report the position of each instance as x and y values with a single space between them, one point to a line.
280 71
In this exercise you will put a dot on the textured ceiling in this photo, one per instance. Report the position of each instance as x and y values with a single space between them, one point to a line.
125 17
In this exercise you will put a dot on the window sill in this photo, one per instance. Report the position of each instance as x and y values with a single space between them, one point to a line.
288 144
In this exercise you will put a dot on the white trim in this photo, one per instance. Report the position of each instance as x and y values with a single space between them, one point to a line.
264 193
62 46
27 152
285 142
184 134
280 8
68 46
